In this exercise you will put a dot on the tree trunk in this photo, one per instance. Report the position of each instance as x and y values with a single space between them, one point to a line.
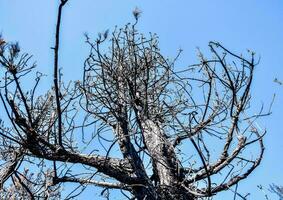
163 193
166 166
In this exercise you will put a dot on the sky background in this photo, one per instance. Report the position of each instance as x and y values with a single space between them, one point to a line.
238 25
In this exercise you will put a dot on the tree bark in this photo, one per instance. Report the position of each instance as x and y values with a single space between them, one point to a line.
167 167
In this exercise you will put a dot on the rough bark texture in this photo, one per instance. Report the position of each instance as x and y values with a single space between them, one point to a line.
166 165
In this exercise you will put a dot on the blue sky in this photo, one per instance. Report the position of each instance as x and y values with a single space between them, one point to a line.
186 24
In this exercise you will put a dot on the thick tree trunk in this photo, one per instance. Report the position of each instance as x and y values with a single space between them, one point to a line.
162 153
164 193
166 166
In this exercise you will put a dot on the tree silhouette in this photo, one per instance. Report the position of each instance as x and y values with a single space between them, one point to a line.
135 122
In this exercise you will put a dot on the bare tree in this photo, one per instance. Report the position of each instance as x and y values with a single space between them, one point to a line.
135 122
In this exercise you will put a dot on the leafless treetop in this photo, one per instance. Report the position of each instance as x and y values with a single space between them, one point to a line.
135 122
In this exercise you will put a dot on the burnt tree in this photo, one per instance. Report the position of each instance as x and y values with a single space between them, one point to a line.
135 122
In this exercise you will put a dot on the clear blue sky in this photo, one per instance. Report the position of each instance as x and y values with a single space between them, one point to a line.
186 24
